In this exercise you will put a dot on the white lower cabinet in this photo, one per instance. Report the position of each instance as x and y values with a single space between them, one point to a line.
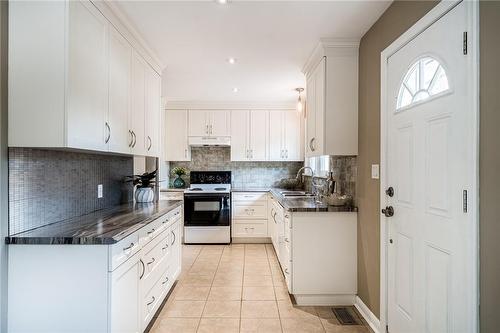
114 288
249 215
317 252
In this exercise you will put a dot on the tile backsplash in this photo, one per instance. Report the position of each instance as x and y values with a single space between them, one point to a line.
244 174
47 186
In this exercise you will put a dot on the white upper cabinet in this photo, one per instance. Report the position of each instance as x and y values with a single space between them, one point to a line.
120 57
86 88
332 99
153 115
285 136
176 136
249 135
209 123
87 100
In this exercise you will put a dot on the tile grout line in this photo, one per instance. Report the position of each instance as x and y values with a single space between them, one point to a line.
206 300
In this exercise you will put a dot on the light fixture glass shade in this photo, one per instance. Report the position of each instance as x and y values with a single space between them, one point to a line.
300 105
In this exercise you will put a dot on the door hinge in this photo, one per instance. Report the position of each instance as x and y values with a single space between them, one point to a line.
464 46
464 201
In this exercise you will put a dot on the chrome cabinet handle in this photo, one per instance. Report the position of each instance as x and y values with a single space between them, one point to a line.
274 218
286 240
166 246
131 138
166 280
152 261
206 129
151 231
287 216
311 146
286 271
166 221
150 143
286 153
109 133
173 233
128 247
135 139
143 269
152 301
185 153
211 129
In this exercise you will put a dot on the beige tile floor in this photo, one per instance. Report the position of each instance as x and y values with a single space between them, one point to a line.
238 288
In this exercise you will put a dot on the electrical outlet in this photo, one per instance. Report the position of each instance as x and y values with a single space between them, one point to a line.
99 191
375 171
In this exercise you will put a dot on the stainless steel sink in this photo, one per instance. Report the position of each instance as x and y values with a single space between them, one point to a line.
296 194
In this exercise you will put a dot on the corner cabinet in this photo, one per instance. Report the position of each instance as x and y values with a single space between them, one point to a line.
332 99
249 135
115 288
176 136
86 88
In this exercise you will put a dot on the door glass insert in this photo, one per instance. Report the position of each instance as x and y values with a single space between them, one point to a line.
425 78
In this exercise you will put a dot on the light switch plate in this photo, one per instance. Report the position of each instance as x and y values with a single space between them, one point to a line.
99 191
375 171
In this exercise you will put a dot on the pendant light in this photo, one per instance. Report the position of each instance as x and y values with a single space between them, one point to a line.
300 104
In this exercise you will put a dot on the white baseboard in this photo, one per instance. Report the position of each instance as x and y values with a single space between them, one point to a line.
251 240
370 318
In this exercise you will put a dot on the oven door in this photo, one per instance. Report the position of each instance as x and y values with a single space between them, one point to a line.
207 210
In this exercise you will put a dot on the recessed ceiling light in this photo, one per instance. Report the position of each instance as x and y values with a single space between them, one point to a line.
222 2
235 90
232 61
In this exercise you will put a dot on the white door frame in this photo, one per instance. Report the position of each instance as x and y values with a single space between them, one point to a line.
473 86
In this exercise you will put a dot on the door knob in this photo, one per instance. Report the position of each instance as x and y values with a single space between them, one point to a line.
390 191
388 211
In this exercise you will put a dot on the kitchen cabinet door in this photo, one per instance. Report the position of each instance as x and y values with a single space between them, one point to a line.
175 246
125 297
176 136
318 143
259 131
87 90
239 135
120 56
199 123
310 112
276 144
153 109
292 136
220 123
138 112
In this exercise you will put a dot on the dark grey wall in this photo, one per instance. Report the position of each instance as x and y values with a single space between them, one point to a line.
489 164
47 186
396 19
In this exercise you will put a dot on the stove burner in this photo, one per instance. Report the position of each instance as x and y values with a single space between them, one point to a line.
220 188
196 189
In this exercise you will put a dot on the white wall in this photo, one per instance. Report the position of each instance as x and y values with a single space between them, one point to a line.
3 165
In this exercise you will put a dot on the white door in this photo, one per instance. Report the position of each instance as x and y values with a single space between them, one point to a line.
176 136
120 54
239 135
220 123
87 77
153 119
429 166
276 147
137 113
259 128
199 123
292 134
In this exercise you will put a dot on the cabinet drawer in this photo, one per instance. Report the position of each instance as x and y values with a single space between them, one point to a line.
123 250
253 211
249 196
243 229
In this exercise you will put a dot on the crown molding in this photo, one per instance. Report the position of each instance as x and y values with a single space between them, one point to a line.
122 23
221 105
330 47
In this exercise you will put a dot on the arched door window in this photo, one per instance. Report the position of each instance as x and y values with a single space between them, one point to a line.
425 78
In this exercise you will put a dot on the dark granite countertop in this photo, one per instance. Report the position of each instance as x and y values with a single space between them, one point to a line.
308 204
107 226
250 189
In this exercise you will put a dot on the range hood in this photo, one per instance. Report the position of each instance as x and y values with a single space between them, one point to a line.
204 141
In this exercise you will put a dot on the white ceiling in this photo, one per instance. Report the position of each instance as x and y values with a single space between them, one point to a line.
270 40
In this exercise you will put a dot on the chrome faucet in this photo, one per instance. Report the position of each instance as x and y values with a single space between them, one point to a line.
300 175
